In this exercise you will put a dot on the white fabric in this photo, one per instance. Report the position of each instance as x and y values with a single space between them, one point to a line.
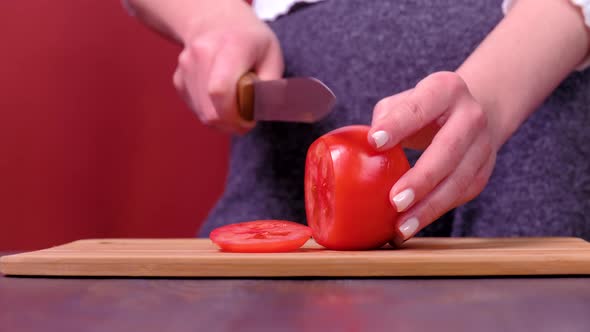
584 6
268 10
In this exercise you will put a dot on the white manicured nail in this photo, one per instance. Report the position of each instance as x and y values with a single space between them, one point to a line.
403 199
409 227
380 137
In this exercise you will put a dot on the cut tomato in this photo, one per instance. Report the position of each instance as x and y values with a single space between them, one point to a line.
261 236
347 186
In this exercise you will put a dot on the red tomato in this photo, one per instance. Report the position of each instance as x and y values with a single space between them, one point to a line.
347 186
261 236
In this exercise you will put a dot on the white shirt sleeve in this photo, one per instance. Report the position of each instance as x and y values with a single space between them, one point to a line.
584 6
268 10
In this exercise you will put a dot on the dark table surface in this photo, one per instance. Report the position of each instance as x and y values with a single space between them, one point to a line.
457 304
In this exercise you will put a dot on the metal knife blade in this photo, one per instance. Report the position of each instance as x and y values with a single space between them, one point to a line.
297 99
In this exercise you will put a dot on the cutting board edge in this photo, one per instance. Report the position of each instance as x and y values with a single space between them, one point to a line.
562 273
417 239
347 265
547 266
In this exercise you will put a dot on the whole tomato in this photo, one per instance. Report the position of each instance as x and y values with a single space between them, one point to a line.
347 187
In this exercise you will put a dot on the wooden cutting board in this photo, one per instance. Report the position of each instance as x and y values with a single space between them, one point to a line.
200 258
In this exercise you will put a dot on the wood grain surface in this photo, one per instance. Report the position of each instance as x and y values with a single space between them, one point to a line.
200 258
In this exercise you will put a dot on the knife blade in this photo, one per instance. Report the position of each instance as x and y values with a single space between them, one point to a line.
296 99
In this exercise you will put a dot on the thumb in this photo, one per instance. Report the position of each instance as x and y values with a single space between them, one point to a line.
270 65
229 65
418 140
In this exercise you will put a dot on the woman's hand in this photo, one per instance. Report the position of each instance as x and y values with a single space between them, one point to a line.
463 118
219 47
441 116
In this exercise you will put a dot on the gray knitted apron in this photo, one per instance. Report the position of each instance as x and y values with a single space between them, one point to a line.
366 50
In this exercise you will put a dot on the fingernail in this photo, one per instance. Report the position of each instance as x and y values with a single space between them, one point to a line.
380 137
403 199
409 227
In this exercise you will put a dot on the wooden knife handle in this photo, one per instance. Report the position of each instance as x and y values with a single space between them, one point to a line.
246 96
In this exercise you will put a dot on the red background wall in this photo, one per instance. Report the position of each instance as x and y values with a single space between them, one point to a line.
94 141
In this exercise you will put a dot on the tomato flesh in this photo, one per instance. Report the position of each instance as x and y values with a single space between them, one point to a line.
347 186
261 236
319 190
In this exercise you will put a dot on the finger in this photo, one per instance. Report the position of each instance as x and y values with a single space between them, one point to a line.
428 101
179 84
231 62
177 79
441 158
192 67
223 126
418 141
421 139
450 192
271 64
194 64
380 112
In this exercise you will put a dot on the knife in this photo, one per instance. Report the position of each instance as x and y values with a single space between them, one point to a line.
296 99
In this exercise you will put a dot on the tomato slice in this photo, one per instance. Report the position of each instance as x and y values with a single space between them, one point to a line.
261 236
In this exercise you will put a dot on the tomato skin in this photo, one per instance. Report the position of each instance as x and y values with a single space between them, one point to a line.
347 186
261 236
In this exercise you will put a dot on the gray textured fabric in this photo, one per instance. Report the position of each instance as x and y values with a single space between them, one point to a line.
369 49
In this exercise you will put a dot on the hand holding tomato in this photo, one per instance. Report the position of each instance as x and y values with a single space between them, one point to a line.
441 117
